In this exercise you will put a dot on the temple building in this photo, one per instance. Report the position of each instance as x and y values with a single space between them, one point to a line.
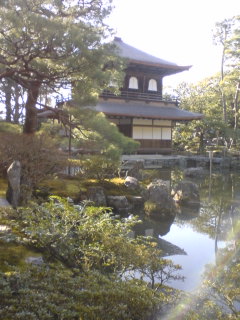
140 111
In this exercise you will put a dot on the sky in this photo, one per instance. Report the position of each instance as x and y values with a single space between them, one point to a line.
179 31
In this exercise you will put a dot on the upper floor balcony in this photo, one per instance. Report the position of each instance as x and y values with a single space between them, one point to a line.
139 96
128 95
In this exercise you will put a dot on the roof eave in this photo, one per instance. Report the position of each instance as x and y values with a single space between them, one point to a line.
156 117
160 65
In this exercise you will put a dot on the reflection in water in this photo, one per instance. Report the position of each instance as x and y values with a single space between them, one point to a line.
159 227
188 212
156 229
201 231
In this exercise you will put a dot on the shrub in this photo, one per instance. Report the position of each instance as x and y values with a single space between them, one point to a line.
91 271
99 167
49 293
38 155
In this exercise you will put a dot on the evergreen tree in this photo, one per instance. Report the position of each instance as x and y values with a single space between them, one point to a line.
56 44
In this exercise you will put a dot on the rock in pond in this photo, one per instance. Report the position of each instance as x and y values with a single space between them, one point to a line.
159 204
119 204
131 183
136 203
186 193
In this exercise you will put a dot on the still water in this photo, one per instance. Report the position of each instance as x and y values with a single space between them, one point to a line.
202 232
196 235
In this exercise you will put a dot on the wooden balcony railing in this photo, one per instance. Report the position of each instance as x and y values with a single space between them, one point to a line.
131 95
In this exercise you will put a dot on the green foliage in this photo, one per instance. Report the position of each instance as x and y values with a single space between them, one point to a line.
82 237
90 267
52 129
98 167
93 131
110 133
97 134
38 156
76 188
87 237
116 187
56 44
49 293
216 97
150 207
203 97
62 187
9 127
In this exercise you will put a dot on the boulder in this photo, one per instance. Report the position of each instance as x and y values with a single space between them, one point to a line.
119 204
131 183
160 203
186 193
14 177
97 195
136 203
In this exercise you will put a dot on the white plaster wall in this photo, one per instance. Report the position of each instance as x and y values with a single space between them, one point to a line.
157 133
147 132
137 133
152 133
166 133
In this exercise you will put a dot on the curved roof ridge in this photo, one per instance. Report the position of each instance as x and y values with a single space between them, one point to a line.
134 54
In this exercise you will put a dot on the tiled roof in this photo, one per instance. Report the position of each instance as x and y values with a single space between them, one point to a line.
144 110
135 55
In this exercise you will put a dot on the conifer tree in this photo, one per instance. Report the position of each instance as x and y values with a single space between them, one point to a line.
55 44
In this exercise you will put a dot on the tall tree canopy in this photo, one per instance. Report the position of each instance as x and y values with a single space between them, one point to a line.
55 44
227 35
217 96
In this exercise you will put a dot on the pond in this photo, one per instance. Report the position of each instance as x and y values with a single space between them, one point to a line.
192 238
201 233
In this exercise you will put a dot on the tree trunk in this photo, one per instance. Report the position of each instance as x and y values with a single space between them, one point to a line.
201 143
16 113
30 125
70 145
222 90
235 107
8 96
224 106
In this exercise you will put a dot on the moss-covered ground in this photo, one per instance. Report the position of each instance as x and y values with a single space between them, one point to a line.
76 188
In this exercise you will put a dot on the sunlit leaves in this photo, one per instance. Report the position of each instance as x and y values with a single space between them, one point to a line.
90 265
